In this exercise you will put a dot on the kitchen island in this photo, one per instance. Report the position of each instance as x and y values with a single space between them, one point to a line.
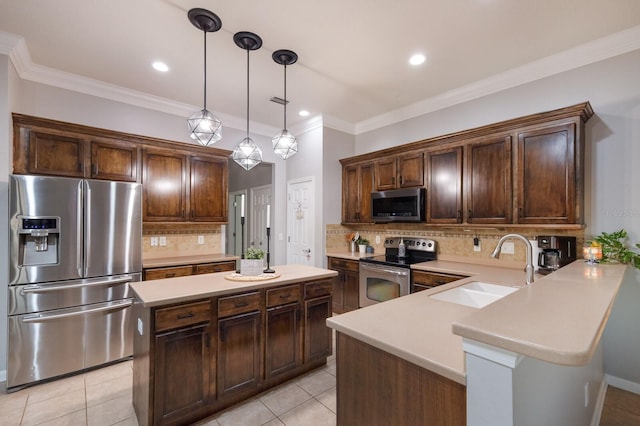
205 342
557 321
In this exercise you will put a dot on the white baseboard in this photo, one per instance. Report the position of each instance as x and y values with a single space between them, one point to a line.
623 384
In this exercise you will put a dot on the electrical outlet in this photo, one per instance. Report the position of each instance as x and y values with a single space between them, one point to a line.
154 241
163 241
507 248
200 239
377 239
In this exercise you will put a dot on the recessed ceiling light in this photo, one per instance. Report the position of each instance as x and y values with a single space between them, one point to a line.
303 113
417 59
160 66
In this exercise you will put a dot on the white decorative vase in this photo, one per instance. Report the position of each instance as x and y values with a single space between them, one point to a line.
251 267
362 248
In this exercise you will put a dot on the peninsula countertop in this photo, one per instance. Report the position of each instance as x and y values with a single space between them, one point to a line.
181 289
559 318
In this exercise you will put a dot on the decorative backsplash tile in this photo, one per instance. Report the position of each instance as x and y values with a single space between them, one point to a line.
181 244
450 241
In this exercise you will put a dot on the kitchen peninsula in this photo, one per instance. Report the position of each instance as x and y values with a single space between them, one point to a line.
205 342
527 358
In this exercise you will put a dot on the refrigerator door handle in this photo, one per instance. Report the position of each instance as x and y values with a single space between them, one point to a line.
45 317
36 288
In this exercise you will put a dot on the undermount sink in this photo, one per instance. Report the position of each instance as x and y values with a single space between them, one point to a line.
475 294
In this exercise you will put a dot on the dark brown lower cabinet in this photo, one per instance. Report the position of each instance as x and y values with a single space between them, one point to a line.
238 353
183 373
376 388
317 336
282 343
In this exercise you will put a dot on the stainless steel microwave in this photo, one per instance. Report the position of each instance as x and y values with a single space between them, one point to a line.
399 205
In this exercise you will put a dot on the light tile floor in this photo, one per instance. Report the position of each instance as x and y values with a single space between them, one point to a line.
103 397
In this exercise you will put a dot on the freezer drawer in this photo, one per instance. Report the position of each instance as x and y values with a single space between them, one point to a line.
62 341
29 298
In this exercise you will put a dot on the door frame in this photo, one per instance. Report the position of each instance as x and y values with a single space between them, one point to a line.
233 246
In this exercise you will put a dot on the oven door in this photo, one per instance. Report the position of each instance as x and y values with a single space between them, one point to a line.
379 283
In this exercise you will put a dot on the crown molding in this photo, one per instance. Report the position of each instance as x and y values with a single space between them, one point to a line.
607 47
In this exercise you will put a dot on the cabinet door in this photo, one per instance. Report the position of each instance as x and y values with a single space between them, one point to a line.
488 190
52 154
208 197
182 374
546 175
337 293
164 186
113 160
411 170
238 353
444 186
283 349
317 336
386 171
357 185
351 290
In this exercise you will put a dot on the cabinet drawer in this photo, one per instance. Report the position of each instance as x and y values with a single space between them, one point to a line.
159 273
283 295
208 268
183 315
318 288
349 265
432 279
233 305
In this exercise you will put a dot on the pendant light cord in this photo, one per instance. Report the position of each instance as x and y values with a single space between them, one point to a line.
205 70
247 93
285 96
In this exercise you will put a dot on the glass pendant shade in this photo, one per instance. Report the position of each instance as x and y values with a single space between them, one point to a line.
247 154
205 128
285 144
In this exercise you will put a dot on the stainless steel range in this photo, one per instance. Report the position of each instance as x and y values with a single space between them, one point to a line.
388 276
75 245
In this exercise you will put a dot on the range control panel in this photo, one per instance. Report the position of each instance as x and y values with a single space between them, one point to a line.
410 243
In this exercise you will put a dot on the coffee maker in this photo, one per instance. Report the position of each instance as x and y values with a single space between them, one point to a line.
555 252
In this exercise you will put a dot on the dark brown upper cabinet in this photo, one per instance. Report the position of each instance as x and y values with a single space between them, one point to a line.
357 185
444 185
52 154
488 175
164 180
400 172
208 180
113 160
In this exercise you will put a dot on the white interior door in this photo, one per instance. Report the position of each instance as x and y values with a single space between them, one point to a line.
260 198
300 235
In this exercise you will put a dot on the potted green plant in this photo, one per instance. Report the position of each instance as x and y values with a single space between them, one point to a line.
362 245
253 262
614 248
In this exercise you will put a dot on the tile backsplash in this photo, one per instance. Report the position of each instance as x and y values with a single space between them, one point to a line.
456 242
181 242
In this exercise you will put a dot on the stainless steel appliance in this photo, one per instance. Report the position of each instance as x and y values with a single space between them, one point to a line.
555 252
75 245
389 276
398 205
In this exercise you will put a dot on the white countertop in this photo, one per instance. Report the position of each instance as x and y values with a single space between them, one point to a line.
181 289
559 318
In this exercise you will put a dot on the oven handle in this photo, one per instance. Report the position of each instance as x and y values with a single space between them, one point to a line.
46 317
401 273
36 288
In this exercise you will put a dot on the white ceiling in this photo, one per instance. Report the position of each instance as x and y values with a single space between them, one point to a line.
353 54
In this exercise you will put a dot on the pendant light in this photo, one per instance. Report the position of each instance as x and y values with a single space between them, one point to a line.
285 144
247 154
204 127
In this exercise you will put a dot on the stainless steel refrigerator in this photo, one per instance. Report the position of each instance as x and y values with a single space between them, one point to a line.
75 245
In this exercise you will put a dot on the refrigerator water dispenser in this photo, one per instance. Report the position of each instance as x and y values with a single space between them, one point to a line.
38 244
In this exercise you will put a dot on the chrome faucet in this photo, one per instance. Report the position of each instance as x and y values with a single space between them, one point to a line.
529 268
